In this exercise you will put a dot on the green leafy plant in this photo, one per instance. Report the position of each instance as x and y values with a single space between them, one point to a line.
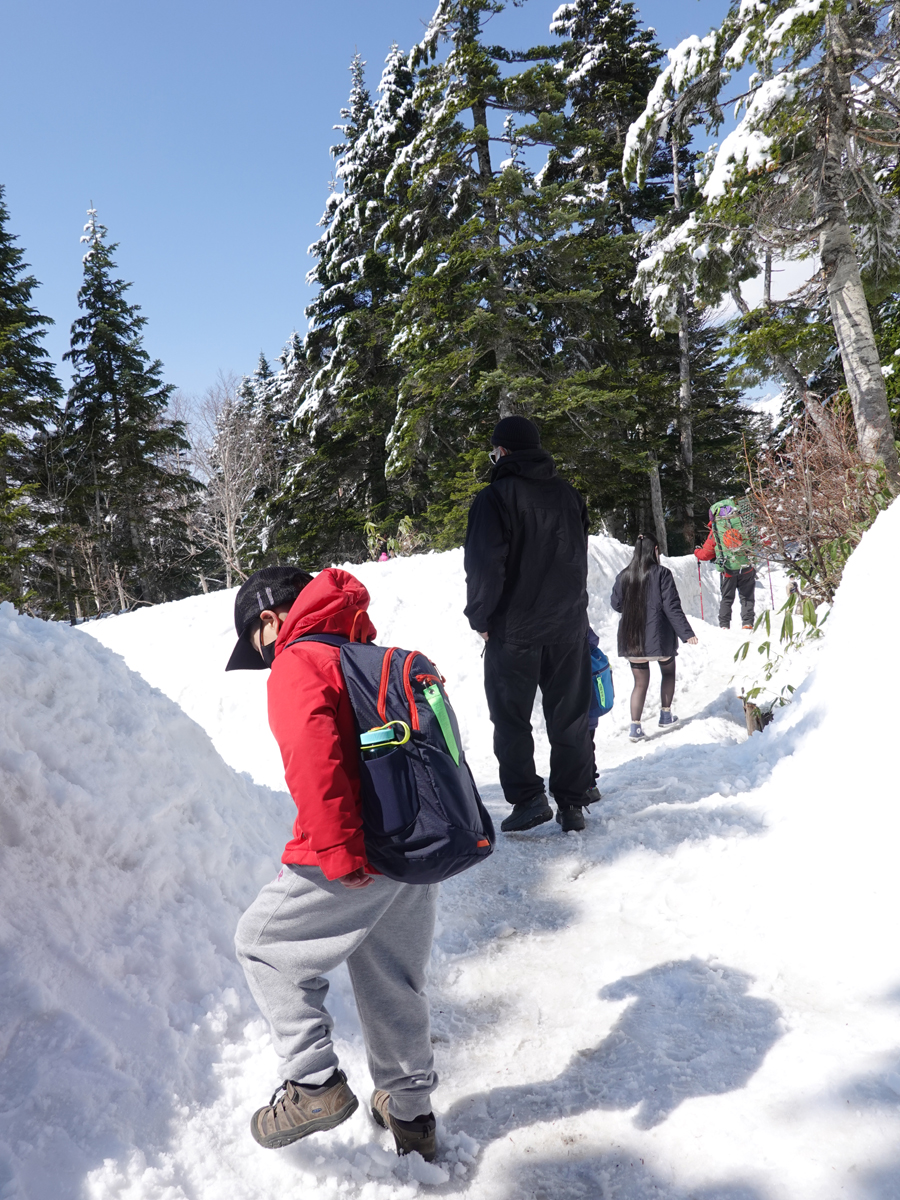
800 625
406 539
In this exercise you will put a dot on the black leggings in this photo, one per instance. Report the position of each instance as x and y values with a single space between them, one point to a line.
641 673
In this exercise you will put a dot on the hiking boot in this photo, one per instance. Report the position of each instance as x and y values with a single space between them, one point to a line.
418 1135
300 1111
570 817
666 718
527 814
637 734
592 795
746 627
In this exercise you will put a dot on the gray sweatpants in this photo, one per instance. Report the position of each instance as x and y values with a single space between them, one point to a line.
300 926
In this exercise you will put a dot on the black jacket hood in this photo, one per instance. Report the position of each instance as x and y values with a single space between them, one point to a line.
528 464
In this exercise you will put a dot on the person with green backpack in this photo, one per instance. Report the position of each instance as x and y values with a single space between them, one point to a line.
728 546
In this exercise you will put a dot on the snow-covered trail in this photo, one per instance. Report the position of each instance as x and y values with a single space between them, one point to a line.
697 998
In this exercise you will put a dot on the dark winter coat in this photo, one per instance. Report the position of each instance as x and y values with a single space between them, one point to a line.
312 720
665 620
526 554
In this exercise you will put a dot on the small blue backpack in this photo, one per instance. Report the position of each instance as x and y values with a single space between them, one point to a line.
602 694
423 820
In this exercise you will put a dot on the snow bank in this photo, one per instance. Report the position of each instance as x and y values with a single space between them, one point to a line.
128 851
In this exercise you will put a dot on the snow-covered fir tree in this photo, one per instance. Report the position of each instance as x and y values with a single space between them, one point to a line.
121 495
336 453
29 396
806 169
477 313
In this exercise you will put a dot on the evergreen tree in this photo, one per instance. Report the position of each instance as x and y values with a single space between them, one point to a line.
122 490
457 283
620 380
336 448
29 395
809 165
471 326
519 281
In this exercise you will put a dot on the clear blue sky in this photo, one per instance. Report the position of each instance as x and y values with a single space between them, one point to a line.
200 131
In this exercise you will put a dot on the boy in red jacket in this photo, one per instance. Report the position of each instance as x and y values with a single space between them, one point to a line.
327 905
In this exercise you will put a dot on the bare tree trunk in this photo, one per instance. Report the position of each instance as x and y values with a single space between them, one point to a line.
685 422
75 613
685 419
840 267
767 281
505 402
656 501
123 603
137 545
201 573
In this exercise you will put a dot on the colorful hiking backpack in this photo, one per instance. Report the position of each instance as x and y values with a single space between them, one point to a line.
730 523
423 819
602 694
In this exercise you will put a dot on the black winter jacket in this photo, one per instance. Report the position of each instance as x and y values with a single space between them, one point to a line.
665 620
526 554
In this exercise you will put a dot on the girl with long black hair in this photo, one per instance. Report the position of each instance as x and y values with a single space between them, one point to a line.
652 622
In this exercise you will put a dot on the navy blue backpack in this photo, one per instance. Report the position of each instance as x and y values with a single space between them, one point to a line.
423 819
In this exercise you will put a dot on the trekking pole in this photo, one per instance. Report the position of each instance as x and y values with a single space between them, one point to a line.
771 590
700 585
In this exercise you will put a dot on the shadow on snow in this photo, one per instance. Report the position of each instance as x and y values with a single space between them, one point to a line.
691 1030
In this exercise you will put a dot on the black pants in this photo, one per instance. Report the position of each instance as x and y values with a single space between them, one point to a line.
512 675
745 585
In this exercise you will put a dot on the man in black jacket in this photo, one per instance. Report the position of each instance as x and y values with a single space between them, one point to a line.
526 574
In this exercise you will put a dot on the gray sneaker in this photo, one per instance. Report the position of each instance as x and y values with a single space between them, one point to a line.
416 1135
300 1111
528 814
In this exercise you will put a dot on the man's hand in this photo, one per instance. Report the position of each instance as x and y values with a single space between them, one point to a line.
483 635
356 879
692 641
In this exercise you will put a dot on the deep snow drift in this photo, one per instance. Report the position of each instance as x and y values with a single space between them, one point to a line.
697 998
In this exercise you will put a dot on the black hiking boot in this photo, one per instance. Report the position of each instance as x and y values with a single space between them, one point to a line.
418 1135
570 817
527 814
592 795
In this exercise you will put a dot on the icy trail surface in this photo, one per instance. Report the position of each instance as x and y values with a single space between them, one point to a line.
696 999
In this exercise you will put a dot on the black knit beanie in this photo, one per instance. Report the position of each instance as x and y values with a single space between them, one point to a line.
516 433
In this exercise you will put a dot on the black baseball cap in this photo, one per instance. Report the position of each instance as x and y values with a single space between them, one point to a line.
263 589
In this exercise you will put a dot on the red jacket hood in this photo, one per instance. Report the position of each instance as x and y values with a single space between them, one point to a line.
335 602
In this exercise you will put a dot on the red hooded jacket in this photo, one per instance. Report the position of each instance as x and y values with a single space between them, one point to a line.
312 720
707 552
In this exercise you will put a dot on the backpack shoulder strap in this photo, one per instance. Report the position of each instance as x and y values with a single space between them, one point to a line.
329 639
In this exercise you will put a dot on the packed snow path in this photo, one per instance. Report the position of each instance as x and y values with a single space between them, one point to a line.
696 999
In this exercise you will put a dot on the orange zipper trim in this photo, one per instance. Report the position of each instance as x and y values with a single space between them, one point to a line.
413 711
429 679
385 677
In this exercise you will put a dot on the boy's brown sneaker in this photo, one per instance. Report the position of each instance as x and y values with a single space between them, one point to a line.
416 1135
299 1111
